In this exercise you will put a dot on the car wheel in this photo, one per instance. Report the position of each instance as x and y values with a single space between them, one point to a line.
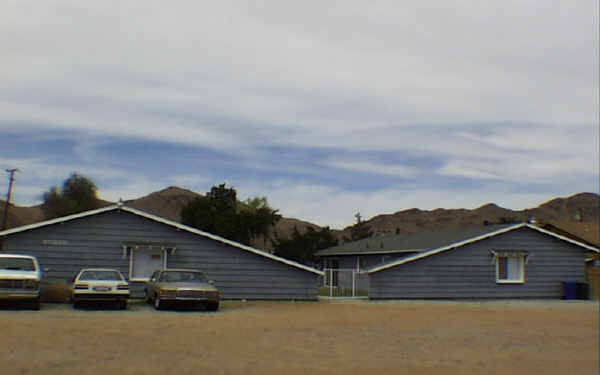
76 304
123 304
146 296
35 304
212 306
157 304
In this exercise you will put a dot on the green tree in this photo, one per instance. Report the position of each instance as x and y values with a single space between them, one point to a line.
78 194
219 212
302 246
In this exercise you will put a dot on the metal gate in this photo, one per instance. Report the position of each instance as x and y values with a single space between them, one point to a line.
344 282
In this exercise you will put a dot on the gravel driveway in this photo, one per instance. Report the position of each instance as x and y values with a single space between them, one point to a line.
327 337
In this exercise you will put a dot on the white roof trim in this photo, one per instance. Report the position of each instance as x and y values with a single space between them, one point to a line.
58 220
567 239
475 239
163 221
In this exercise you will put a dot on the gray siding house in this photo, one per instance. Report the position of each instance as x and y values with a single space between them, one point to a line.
137 243
511 261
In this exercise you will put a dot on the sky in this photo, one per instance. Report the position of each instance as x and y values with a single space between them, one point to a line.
327 108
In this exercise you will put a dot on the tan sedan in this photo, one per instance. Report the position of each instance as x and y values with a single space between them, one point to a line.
179 286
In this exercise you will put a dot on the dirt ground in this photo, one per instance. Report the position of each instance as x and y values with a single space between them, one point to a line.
289 338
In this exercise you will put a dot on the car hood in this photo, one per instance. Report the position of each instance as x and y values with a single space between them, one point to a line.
19 275
184 285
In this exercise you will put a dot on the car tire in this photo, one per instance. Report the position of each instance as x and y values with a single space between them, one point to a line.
157 304
35 304
147 296
123 304
76 304
212 306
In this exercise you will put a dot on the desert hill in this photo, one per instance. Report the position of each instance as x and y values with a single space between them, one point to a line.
577 214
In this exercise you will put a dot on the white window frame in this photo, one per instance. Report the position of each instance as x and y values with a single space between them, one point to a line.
507 255
132 249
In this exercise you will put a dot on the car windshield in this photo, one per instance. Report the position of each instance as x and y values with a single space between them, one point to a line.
22 264
182 276
100 275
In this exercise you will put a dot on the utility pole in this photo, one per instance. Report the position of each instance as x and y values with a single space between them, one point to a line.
8 195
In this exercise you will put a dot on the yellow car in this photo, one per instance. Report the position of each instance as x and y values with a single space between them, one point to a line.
179 286
20 277
100 284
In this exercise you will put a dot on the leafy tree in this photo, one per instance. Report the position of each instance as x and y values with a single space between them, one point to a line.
359 230
78 194
302 246
220 213
257 217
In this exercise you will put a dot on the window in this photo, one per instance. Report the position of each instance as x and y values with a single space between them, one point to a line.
510 267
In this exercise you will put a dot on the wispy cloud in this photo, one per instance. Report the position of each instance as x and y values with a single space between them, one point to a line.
354 102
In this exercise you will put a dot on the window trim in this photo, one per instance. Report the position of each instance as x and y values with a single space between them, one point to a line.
521 255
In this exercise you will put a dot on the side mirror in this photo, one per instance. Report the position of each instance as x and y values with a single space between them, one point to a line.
47 269
211 282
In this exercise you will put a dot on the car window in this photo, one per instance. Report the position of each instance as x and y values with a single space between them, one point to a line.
182 276
22 264
101 275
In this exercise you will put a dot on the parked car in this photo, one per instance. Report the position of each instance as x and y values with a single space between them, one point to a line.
179 286
20 277
100 284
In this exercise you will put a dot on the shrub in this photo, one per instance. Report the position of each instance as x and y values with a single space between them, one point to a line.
56 292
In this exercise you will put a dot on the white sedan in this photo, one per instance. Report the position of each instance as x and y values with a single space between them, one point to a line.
100 284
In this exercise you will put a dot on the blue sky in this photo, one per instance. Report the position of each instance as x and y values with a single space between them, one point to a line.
325 108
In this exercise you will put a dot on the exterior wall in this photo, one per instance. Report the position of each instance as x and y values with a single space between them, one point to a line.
97 241
469 271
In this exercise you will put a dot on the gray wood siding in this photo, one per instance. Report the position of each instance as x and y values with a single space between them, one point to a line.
96 241
468 272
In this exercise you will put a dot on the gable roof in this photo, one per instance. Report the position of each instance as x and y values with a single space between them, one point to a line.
414 243
161 220
493 230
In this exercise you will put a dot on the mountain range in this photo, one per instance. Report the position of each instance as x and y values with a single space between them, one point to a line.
577 214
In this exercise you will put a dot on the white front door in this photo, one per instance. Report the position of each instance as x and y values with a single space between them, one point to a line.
145 262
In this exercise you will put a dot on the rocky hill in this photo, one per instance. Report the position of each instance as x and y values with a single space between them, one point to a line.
577 214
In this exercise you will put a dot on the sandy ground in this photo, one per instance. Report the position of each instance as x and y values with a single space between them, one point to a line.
558 337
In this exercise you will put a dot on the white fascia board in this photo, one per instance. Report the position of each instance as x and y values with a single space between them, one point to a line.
58 220
221 239
163 221
577 243
444 248
479 238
